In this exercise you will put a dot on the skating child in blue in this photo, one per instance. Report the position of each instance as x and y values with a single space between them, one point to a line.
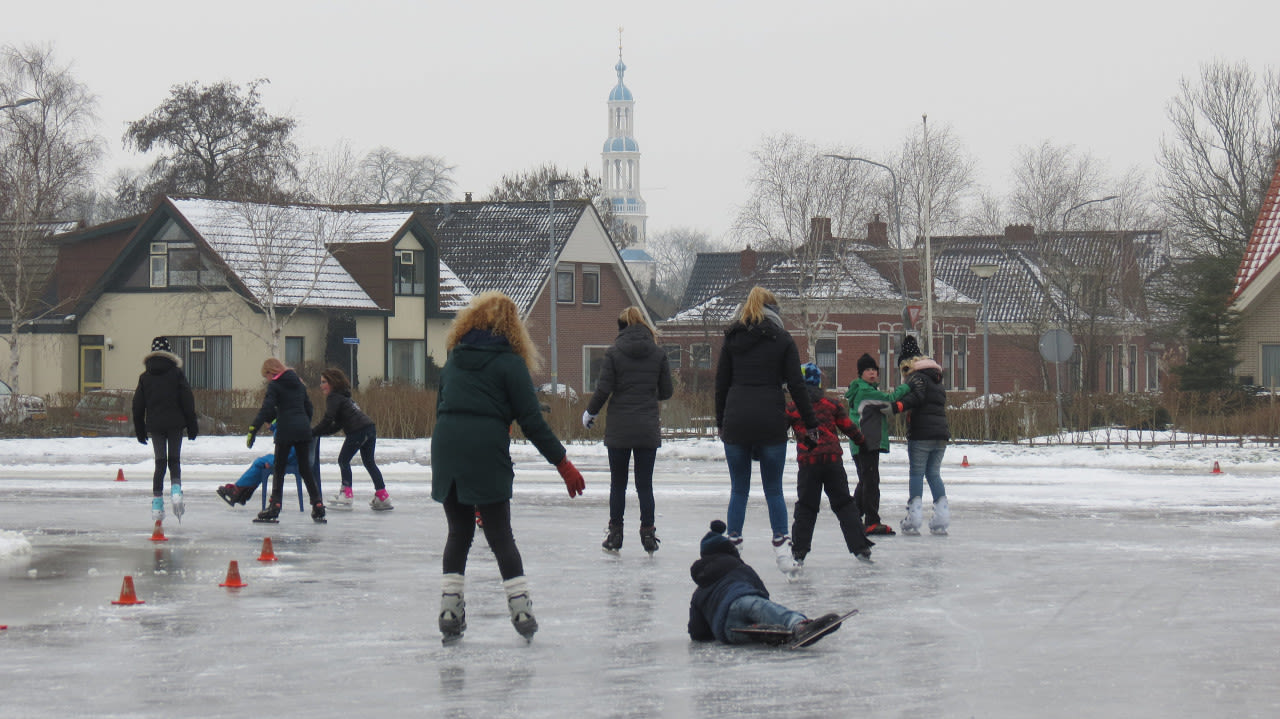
731 596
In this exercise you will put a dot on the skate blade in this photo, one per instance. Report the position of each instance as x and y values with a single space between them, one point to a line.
938 532
321 520
450 639
266 521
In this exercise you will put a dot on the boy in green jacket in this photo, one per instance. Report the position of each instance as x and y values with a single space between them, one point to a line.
865 400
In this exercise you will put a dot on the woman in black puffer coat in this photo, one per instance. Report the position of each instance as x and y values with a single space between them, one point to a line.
164 406
635 376
289 405
757 359
927 437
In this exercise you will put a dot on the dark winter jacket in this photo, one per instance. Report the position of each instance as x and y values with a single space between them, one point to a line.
832 419
163 400
484 386
926 402
289 405
634 377
721 578
756 360
341 413
859 393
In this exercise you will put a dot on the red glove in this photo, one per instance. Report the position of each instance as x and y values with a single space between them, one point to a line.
572 477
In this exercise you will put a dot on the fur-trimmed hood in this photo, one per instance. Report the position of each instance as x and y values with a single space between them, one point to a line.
155 361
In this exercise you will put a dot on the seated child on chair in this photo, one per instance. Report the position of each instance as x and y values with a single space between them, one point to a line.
730 596
255 475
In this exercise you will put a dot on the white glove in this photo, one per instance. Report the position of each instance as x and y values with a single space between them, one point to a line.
588 420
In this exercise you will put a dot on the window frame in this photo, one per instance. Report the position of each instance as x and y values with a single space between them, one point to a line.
590 273
565 292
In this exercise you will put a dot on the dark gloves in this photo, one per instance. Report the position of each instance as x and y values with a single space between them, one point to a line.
142 439
807 439
888 410
573 480
249 438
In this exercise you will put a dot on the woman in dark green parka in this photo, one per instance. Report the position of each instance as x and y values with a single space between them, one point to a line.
485 386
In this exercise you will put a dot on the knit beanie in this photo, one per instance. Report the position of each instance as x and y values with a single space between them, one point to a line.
715 542
812 374
866 362
910 348
160 344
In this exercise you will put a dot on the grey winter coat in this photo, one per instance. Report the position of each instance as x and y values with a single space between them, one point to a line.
635 376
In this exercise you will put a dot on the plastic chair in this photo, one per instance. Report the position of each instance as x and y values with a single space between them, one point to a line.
315 468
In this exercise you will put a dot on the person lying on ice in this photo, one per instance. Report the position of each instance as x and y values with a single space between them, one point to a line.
730 596
253 477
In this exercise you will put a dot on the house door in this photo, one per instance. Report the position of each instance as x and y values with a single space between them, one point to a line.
91 357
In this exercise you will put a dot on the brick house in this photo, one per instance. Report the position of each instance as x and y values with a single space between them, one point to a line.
355 280
1256 297
844 297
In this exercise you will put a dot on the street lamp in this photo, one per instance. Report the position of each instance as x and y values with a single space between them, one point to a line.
985 271
1067 214
897 226
19 103
554 289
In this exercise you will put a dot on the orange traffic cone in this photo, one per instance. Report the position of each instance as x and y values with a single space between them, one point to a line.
157 534
1216 468
127 595
267 554
120 475
233 576
965 462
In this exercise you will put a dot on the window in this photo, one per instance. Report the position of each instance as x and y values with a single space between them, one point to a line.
1153 370
700 356
888 358
294 351
1131 372
411 273
1270 366
406 361
184 267
954 361
159 270
673 356
825 349
564 284
207 369
590 285
593 360
1107 371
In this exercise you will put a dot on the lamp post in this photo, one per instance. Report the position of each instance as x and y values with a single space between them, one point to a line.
19 103
897 226
552 284
985 271
1067 214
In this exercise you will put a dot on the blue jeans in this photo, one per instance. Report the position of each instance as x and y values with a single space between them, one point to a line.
924 456
773 458
755 609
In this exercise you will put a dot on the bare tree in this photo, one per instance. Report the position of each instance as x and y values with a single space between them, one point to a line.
531 185
390 178
936 177
675 251
49 150
332 176
1049 180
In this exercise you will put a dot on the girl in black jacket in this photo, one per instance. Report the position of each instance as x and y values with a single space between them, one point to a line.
163 406
342 413
759 357
287 403
927 437
635 376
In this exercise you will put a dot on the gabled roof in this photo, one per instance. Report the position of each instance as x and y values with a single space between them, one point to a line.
1264 244
299 236
34 248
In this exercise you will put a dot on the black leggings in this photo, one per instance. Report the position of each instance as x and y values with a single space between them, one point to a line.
167 446
811 481
619 458
867 494
496 518
301 450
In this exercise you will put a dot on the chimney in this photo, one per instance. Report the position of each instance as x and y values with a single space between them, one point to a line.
1025 234
819 229
878 232
468 197
747 262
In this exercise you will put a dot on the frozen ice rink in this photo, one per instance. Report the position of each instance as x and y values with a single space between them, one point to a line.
1061 592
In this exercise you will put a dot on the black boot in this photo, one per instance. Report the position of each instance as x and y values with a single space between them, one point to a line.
613 539
649 539
271 513
227 492
241 495
317 513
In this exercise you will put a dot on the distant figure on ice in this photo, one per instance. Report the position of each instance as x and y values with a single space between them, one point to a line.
822 469
757 358
257 473
485 385
927 437
731 596
359 434
865 402
634 377
164 406
286 402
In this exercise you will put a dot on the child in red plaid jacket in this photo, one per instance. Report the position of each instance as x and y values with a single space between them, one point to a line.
822 469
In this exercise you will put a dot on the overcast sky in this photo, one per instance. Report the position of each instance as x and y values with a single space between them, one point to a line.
500 87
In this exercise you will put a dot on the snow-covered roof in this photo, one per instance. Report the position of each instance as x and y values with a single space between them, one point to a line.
282 252
1264 243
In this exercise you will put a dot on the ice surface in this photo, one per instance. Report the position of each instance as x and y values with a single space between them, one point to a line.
1135 587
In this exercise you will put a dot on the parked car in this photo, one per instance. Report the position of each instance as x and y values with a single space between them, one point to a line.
109 413
15 408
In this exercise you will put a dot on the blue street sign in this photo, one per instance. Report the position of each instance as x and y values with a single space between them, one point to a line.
350 340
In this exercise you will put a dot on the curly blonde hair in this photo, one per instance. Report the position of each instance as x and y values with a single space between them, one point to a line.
752 311
633 316
495 312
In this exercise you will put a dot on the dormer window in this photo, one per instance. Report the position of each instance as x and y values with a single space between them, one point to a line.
411 273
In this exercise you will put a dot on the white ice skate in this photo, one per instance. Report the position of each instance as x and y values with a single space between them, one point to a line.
453 609
787 563
941 518
914 520
521 607
175 496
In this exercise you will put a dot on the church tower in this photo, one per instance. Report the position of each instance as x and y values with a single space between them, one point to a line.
622 165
